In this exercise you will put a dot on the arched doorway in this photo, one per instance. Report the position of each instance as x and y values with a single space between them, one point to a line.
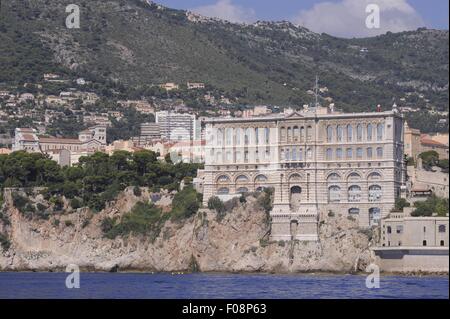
295 197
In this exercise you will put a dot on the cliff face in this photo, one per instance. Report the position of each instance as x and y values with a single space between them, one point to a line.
237 243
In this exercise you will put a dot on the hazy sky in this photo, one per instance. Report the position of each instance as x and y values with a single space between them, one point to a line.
345 18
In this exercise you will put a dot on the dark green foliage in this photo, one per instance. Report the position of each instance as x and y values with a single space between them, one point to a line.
4 242
4 218
95 181
401 203
185 203
429 159
75 203
19 201
215 203
433 205
68 223
443 164
137 191
107 224
144 219
265 200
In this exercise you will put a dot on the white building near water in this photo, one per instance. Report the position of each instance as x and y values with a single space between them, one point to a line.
317 161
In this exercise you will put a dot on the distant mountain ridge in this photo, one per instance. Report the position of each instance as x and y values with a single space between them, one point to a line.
136 42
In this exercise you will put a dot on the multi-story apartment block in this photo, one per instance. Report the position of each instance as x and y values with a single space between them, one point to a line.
176 126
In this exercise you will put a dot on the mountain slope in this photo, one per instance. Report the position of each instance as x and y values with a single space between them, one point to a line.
136 43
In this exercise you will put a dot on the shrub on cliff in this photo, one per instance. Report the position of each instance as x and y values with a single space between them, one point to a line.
143 219
4 218
215 203
4 242
185 203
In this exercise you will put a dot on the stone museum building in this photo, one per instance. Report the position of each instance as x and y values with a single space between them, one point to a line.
319 162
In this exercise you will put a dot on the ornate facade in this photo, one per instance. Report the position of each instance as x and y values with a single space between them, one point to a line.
317 161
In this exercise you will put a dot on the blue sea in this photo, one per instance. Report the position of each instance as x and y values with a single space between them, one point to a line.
221 286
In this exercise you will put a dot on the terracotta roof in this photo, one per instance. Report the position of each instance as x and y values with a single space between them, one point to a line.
59 140
29 137
428 141
26 130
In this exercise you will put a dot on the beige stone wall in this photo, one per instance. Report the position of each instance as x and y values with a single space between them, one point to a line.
303 152
413 260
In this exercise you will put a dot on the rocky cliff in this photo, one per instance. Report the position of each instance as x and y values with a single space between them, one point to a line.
238 242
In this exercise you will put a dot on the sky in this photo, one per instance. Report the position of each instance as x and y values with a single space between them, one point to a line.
343 18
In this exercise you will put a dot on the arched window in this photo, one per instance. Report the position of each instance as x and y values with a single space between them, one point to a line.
267 135
288 154
247 136
369 132
329 134
333 177
309 133
354 193
223 191
294 154
374 176
238 157
219 158
339 153
302 133
242 179
359 132
238 133
389 230
354 177
289 134
300 154
349 153
296 133
229 136
349 133
374 216
309 153
369 152
375 193
329 155
283 134
379 152
220 137
228 156
242 190
261 178
223 179
442 228
339 133
380 131
334 194
282 155
359 153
